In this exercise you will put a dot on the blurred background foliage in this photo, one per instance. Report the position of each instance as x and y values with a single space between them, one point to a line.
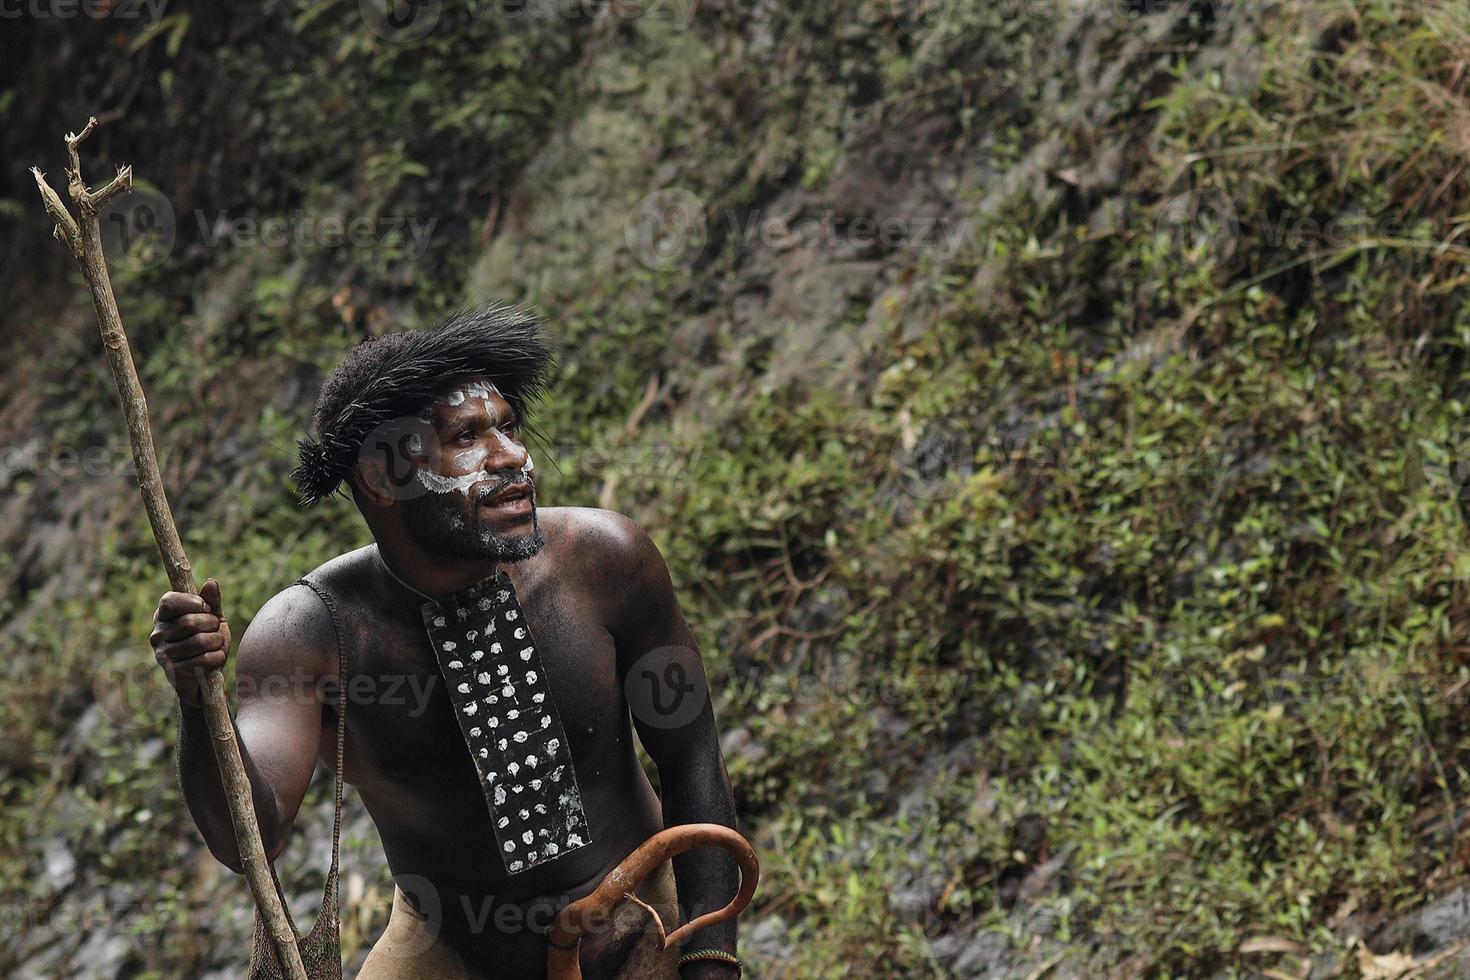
1080 560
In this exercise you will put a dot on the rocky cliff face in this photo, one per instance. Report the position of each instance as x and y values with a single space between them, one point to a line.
1050 414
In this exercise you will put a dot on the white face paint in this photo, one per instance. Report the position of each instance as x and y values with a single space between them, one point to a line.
434 483
475 389
472 459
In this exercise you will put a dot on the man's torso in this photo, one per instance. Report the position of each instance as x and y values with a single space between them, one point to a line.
407 756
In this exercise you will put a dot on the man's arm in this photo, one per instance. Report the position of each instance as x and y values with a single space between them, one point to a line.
663 675
285 655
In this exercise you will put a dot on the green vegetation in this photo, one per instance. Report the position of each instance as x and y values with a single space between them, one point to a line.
1165 656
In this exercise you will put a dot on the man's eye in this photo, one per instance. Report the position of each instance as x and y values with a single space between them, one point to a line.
465 436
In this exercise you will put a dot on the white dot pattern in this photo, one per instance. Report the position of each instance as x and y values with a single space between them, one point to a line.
510 725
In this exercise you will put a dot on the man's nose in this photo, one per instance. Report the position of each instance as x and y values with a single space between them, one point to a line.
507 455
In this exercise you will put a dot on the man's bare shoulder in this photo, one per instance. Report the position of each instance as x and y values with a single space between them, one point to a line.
610 557
293 631
602 544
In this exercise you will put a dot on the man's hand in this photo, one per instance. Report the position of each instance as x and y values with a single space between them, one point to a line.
290 649
190 636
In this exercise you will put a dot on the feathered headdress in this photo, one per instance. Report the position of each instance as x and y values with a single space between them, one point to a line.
398 374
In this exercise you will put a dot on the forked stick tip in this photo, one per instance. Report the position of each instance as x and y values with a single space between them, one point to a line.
72 139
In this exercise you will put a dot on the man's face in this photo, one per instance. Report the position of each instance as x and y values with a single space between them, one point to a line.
477 494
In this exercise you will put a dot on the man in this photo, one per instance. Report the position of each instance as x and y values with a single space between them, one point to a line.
487 836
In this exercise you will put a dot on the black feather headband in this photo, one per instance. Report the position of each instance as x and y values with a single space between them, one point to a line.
398 374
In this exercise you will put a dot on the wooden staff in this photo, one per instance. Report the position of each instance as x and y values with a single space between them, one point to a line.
84 238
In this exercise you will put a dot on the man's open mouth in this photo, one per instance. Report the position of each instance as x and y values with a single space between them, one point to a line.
512 499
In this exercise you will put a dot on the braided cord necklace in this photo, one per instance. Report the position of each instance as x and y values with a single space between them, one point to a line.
394 576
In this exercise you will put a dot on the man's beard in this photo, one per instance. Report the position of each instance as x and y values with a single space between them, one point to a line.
439 522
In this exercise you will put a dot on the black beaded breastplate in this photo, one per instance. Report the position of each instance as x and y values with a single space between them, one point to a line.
509 719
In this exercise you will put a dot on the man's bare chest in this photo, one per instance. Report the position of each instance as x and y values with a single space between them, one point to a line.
401 723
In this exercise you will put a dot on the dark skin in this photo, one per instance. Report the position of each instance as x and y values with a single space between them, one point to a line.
597 597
